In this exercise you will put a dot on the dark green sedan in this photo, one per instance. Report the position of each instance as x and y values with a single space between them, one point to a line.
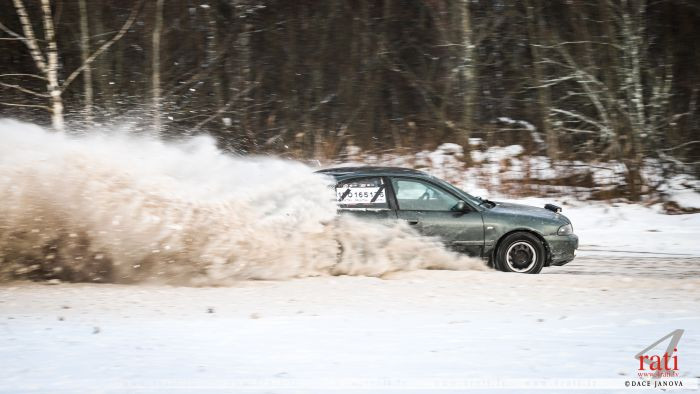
512 237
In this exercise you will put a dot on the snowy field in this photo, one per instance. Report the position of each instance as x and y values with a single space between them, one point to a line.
365 334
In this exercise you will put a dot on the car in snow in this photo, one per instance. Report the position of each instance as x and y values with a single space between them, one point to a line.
512 237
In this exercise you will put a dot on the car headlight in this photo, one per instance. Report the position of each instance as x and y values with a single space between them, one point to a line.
565 229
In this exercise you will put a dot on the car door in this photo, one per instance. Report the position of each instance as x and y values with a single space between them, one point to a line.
364 197
433 212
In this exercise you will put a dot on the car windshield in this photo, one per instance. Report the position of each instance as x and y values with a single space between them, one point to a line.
468 197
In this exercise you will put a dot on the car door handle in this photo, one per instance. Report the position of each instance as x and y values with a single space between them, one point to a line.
412 222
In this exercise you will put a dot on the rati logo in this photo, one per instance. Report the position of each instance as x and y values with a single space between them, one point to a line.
662 367
655 365
660 370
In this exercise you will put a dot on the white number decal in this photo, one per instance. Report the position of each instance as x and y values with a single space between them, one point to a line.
360 195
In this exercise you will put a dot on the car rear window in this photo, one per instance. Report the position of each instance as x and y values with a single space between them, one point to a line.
361 193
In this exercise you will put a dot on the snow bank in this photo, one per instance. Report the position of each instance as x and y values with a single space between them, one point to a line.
684 190
499 172
120 208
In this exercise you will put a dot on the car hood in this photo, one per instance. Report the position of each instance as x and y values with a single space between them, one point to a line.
527 210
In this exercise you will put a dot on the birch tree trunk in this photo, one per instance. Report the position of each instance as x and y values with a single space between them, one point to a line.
48 66
212 42
84 55
52 67
536 29
467 74
611 73
103 65
241 76
155 65
633 29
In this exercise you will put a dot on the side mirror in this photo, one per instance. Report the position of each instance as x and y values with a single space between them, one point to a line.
461 206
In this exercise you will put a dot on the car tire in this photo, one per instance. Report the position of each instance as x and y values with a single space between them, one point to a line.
520 252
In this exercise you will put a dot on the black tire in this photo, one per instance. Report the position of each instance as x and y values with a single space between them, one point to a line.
526 251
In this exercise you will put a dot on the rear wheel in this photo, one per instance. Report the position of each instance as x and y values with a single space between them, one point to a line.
522 253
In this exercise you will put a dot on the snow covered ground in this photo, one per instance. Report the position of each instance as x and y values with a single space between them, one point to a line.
627 229
423 330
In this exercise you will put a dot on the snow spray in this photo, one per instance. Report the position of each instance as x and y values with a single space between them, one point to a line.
117 207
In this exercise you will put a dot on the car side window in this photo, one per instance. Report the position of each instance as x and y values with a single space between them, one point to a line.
415 195
362 193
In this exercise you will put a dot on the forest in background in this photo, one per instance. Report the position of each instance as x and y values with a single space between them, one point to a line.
584 80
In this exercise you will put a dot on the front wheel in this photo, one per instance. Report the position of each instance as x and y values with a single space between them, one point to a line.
520 252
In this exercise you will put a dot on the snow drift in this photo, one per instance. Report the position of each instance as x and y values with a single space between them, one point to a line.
112 207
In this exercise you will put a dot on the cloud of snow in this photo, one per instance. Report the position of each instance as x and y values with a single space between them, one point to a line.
113 207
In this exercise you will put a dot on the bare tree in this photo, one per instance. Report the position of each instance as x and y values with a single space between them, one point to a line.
155 66
535 24
467 72
47 64
625 112
84 55
46 60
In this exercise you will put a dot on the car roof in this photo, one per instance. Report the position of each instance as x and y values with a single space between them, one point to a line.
343 172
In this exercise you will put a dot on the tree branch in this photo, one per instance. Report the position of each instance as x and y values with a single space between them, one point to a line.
25 90
14 35
680 146
23 75
223 109
104 47
580 117
26 105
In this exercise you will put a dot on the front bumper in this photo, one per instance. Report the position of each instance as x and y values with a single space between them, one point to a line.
562 248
